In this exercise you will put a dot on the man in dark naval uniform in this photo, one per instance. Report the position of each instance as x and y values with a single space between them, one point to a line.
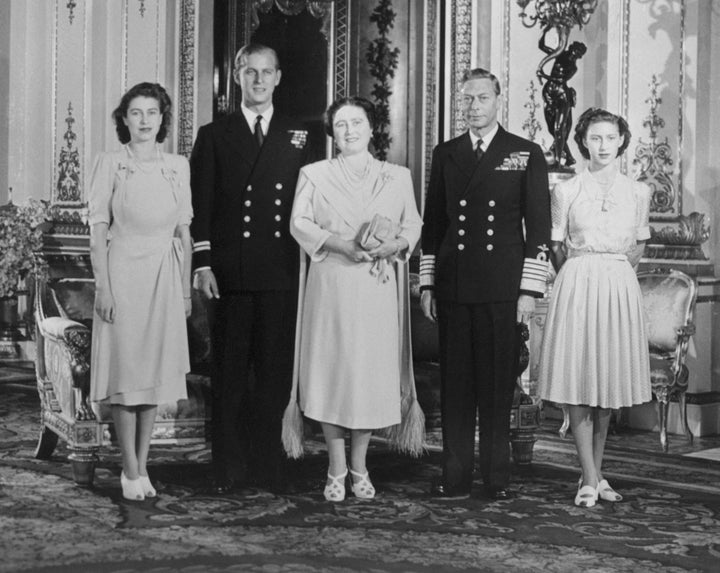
484 259
244 168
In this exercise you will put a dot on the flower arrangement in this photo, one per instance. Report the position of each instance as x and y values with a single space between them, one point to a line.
21 230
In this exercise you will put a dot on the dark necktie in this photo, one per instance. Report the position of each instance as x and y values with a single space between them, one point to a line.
259 137
478 149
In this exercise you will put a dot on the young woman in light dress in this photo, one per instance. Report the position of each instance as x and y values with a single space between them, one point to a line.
139 216
595 351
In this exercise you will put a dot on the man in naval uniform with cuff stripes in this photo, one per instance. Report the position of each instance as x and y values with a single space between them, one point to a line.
484 260
244 168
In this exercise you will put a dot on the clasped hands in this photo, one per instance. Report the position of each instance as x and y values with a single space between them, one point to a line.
387 248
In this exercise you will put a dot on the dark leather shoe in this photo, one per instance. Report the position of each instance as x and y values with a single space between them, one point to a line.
444 491
499 493
223 487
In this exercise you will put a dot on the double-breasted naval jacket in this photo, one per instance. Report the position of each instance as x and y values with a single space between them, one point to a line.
242 199
486 226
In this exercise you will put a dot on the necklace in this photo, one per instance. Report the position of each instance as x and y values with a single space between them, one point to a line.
145 165
354 176
605 186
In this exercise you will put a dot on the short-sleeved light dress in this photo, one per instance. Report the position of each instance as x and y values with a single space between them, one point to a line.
595 349
142 356
349 355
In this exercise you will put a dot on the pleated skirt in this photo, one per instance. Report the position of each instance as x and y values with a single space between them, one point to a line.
595 349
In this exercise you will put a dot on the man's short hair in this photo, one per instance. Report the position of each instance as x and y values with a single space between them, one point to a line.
255 48
481 74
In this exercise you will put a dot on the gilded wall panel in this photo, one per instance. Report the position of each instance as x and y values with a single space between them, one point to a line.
655 90
69 103
144 36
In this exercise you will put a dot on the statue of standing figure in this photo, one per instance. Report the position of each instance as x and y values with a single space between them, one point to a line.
558 97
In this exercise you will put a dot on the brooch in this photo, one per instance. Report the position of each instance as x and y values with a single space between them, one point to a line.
298 137
516 161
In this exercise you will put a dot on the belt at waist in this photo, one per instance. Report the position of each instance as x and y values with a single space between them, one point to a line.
573 253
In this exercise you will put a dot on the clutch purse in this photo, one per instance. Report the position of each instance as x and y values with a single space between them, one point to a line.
377 228
371 234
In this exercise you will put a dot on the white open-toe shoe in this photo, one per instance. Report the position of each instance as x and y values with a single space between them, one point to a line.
363 488
335 490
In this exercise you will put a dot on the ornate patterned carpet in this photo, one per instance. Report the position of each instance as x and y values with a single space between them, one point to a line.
670 520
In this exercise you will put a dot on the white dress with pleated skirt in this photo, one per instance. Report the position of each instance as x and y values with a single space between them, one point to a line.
142 356
595 349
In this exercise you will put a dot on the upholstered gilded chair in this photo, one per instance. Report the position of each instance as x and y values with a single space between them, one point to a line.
669 299
64 311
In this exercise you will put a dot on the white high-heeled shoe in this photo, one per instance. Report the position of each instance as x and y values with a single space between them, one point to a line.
131 488
363 488
147 487
586 495
607 493
335 490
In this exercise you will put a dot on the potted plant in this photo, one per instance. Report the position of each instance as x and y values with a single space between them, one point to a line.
21 230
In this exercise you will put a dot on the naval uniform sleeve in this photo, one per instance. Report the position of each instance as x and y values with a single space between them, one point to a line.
537 226
435 223
303 226
202 185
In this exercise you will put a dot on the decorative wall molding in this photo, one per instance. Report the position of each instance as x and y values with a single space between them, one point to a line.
186 83
69 108
531 125
432 82
382 62
67 189
505 116
653 157
341 50
659 59
460 58
71 4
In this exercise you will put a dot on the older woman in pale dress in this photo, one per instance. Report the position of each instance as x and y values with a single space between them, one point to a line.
352 354
595 352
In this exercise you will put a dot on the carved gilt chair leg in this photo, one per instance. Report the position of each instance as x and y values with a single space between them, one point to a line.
682 404
83 462
83 410
47 442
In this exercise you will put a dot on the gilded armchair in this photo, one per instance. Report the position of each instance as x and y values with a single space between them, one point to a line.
63 312
669 300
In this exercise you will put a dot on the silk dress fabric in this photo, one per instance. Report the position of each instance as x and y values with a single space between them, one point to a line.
142 357
595 349
350 354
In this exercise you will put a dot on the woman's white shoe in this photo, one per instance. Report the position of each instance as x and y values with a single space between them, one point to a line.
335 490
606 492
131 488
147 487
586 495
363 488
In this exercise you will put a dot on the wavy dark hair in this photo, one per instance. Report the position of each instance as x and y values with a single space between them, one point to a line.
598 115
355 101
144 89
